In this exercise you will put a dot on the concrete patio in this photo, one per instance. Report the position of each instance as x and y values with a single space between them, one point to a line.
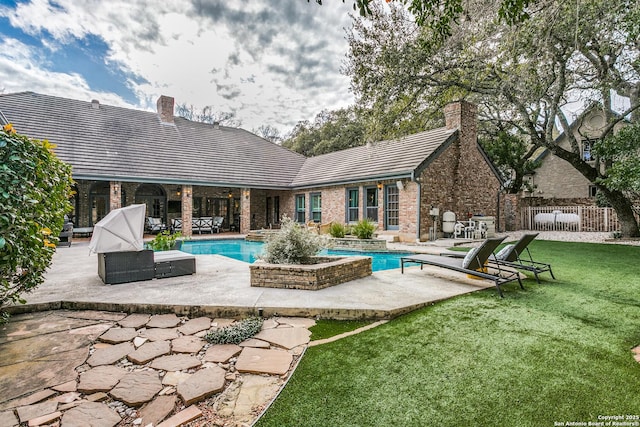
220 288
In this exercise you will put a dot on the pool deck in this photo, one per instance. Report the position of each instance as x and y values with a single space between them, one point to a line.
221 288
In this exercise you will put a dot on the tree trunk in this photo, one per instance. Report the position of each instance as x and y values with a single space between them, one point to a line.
624 210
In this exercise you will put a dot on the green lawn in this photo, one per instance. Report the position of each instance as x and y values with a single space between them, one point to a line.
559 351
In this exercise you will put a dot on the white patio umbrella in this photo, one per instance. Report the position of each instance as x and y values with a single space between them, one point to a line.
120 231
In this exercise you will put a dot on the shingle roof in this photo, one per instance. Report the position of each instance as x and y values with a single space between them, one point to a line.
133 145
378 160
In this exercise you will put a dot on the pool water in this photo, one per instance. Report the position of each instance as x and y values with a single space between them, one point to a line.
249 251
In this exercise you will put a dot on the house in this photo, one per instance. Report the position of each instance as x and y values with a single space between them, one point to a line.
184 169
558 183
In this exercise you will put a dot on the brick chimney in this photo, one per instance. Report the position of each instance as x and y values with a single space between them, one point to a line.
165 108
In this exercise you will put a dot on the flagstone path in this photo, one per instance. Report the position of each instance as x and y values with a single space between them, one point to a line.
80 368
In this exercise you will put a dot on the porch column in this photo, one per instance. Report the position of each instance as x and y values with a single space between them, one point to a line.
245 211
187 209
115 195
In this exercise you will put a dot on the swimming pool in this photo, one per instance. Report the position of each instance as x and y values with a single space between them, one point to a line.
249 251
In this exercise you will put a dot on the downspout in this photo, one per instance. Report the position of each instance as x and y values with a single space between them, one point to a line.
498 210
418 210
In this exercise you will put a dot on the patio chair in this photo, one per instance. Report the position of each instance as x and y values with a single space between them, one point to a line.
176 225
513 256
217 224
473 264
154 225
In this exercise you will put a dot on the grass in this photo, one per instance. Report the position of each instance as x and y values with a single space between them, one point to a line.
555 352
328 328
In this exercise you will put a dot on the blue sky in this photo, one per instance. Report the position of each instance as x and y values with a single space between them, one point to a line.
270 63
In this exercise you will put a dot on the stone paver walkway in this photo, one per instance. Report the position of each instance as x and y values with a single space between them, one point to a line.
81 368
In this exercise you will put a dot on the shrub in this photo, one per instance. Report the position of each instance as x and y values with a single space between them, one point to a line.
337 230
235 333
34 190
164 241
292 244
364 229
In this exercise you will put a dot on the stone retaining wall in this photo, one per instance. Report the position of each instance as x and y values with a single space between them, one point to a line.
329 271
364 245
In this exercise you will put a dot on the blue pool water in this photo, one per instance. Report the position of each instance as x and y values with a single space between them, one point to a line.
249 251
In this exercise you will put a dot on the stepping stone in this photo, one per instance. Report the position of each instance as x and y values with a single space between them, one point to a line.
138 341
261 361
135 321
64 387
182 417
285 337
149 351
220 353
202 384
45 419
195 325
252 342
297 322
175 362
160 334
163 321
137 387
8 419
100 378
157 410
222 323
187 344
29 412
69 397
270 323
118 335
254 391
36 397
94 315
110 355
96 330
92 414
174 378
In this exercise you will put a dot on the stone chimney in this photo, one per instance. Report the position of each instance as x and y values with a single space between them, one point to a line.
165 108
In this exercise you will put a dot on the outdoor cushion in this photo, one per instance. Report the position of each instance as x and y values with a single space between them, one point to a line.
504 252
470 257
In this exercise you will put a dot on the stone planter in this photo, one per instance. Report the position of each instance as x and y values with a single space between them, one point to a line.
327 271
354 244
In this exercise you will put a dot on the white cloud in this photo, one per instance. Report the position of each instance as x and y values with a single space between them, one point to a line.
273 63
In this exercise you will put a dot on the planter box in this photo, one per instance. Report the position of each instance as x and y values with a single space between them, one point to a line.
327 271
364 245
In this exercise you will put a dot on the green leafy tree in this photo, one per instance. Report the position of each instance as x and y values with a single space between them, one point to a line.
35 187
525 78
330 131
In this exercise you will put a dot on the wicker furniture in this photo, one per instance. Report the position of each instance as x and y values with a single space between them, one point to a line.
123 267
173 263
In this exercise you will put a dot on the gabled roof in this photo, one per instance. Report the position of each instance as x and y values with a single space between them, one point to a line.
112 143
132 145
379 160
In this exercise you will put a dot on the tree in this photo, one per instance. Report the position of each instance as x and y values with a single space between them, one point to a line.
524 78
207 115
269 133
34 190
330 131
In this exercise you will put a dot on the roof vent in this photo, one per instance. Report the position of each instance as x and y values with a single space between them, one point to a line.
95 104
216 125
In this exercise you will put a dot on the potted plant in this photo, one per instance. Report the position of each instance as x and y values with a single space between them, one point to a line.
166 241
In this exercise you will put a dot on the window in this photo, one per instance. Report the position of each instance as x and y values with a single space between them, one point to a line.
587 146
353 204
276 209
300 211
593 190
371 203
316 207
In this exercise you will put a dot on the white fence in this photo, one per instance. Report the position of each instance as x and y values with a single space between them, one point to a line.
570 218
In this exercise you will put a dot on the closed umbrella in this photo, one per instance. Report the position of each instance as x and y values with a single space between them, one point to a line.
120 231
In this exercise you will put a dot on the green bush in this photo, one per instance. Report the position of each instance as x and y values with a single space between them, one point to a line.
35 187
337 230
236 332
364 229
164 241
291 245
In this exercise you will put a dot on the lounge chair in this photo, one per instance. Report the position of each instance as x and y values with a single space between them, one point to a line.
154 225
513 256
473 264
217 224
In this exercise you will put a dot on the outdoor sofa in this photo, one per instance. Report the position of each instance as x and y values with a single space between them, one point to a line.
205 224
134 266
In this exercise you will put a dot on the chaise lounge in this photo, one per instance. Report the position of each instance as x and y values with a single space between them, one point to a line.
473 264
513 256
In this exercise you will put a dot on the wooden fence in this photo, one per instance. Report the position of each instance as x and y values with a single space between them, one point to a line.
570 218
